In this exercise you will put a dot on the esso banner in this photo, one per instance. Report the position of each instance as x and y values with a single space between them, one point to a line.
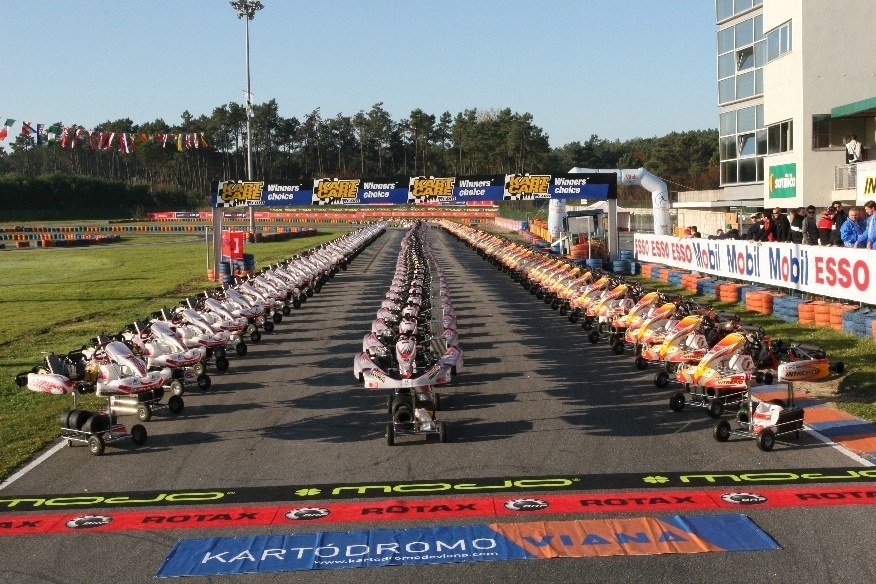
835 272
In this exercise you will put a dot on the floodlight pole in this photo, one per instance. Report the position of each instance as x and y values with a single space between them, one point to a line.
248 8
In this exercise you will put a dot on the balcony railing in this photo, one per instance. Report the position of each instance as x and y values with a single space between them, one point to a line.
845 176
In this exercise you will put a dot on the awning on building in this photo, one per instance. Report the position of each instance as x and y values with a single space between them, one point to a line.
865 107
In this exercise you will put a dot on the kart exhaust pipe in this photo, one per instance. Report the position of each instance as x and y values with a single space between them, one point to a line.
838 367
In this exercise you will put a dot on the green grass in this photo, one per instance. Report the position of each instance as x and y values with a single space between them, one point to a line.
56 299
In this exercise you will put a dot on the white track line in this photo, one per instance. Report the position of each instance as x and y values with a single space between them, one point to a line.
31 466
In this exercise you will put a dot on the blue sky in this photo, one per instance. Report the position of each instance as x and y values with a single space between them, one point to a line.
616 68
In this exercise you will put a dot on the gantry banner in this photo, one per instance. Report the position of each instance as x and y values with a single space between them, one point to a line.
417 190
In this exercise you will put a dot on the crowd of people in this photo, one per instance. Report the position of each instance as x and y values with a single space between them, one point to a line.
804 225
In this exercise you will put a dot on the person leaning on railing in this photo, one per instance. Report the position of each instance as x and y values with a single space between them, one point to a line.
809 226
797 216
825 226
869 236
852 231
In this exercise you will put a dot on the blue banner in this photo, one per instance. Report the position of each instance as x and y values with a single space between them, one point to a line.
418 190
473 543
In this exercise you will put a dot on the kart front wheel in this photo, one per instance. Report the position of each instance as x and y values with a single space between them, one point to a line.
721 433
766 440
618 348
139 434
676 402
661 379
641 363
221 363
390 434
593 337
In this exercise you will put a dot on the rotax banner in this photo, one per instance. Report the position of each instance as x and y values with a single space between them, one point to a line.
835 272
417 190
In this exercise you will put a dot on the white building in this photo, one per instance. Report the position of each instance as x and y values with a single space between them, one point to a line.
794 77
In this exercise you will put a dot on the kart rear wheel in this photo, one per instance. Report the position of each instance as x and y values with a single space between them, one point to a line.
641 363
175 404
390 434
436 402
593 337
177 387
563 310
278 318
618 348
204 382
139 434
286 310
721 433
199 368
221 363
676 402
716 408
144 412
587 325
219 351
96 445
269 327
573 317
661 379
766 440
296 303
241 348
442 432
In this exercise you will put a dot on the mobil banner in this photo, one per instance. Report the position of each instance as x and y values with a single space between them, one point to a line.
826 271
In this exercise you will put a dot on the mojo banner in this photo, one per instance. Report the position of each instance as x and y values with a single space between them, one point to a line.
467 543
835 272
417 190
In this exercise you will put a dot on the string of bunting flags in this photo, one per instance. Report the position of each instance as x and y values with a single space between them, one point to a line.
76 136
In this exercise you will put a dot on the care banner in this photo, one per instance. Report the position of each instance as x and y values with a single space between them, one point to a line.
417 190
467 543
835 272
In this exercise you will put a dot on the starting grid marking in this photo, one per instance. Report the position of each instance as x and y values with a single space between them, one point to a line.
434 509
471 543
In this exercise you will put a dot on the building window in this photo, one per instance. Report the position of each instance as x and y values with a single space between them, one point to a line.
778 41
780 138
828 132
725 9
742 145
741 51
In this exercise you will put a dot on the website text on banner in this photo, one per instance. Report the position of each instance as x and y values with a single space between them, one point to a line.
834 272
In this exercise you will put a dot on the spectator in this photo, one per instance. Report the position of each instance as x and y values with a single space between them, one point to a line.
783 226
825 226
870 225
852 229
754 230
768 229
810 227
853 149
718 234
797 216
730 233
839 217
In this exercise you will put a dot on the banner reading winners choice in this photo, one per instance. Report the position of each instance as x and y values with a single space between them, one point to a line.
835 272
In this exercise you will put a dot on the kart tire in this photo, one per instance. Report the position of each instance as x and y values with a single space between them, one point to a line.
593 337
618 348
563 310
64 415
539 295
587 325
768 378
742 417
286 310
716 408
766 440
401 411
661 379
221 363
676 402
96 445
641 363
269 327
390 434
555 304
204 382
317 288
309 292
277 318
241 348
388 404
144 412
436 402
96 424
139 434
177 387
721 433
442 432
257 336
175 404
77 418
199 368
219 352
613 338
296 303
21 379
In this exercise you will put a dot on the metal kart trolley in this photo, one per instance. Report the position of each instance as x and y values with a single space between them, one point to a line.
764 421
97 429
413 413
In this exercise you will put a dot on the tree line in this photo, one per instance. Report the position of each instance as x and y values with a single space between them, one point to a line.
366 144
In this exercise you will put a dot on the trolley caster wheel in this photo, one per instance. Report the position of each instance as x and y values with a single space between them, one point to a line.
661 379
618 348
176 387
96 445
442 432
641 363
139 434
390 434
766 440
144 412
721 433
269 327
70 443
204 382
716 408
175 404
241 348
676 402
221 363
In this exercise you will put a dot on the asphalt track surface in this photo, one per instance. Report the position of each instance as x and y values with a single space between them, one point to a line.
535 399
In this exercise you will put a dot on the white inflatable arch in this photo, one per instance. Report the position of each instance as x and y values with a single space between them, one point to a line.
643 178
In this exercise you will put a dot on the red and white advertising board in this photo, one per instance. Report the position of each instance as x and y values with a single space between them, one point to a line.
835 272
